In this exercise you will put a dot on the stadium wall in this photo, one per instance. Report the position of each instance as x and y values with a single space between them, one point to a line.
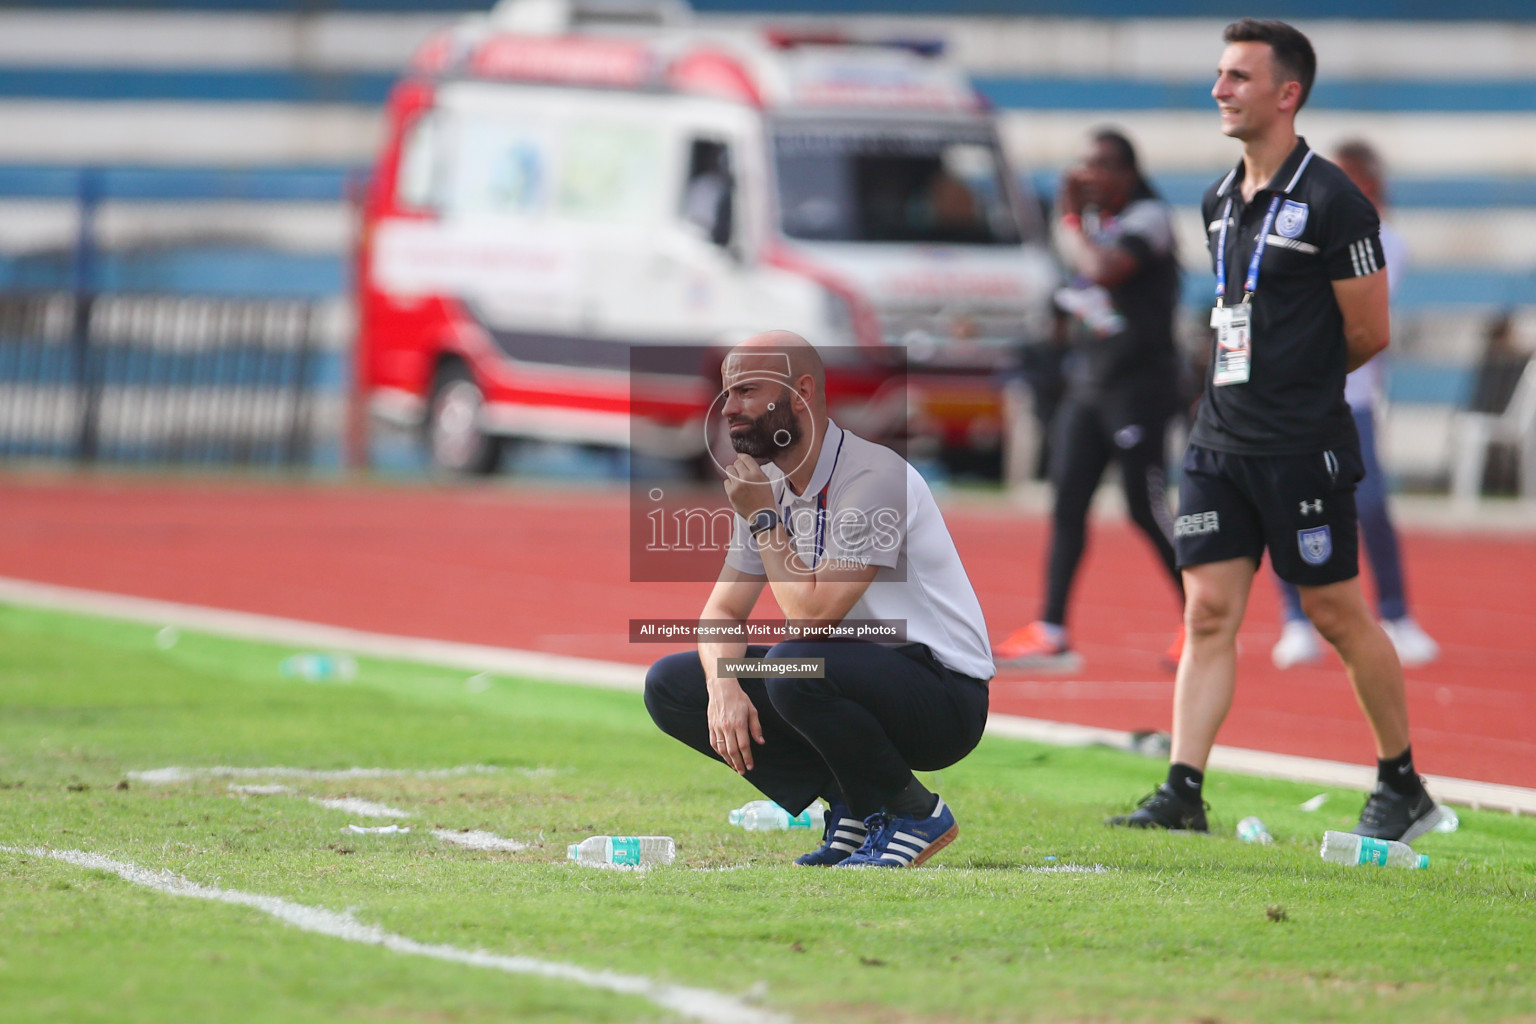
288 96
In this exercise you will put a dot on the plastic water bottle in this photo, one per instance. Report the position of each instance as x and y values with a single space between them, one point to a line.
318 668
623 851
766 816
1252 830
1448 822
1347 848
749 811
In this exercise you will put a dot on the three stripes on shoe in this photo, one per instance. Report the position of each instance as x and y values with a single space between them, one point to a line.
905 849
849 835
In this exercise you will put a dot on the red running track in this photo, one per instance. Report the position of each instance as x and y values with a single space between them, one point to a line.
547 570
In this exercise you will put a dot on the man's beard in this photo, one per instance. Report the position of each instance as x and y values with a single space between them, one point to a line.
761 439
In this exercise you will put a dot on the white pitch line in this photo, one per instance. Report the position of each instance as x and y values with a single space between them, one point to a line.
478 840
469 839
694 1003
296 632
176 773
616 675
1262 763
361 808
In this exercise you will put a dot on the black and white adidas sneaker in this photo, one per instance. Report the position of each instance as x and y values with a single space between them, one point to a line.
842 834
904 842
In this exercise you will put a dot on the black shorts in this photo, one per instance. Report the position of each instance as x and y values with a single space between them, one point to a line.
1301 507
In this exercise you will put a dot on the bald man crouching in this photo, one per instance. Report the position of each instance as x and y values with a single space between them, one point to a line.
843 530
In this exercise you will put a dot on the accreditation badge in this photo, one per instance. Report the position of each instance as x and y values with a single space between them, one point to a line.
1234 344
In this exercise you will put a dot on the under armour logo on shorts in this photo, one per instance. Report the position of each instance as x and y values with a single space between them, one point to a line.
1197 524
1315 506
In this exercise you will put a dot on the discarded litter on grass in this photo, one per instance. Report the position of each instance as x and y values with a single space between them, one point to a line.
319 667
378 830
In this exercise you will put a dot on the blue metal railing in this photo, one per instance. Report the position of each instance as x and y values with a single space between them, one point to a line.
181 354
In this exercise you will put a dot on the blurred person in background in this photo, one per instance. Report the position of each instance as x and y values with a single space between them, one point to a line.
1040 368
1299 643
1122 378
948 211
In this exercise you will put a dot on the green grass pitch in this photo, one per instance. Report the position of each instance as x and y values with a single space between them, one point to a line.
1175 928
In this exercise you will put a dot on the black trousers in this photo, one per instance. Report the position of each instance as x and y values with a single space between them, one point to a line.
1086 436
857 734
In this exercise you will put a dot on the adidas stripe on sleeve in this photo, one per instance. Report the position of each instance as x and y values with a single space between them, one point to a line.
1357 259
1351 236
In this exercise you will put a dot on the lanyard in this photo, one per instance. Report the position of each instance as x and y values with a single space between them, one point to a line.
1251 283
821 507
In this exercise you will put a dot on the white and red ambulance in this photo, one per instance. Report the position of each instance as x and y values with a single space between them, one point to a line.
565 211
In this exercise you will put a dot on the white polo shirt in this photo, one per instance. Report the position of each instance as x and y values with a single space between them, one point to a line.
879 510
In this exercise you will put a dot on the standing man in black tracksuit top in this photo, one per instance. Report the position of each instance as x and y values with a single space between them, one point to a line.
1116 235
1301 299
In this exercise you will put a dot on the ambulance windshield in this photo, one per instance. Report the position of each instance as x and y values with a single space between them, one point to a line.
864 182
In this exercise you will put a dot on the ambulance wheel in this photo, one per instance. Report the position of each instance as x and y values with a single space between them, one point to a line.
455 434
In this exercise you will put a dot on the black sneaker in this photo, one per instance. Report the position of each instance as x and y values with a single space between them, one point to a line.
1390 815
1163 808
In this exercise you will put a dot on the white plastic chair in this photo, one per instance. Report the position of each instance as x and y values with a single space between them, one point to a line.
1473 432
